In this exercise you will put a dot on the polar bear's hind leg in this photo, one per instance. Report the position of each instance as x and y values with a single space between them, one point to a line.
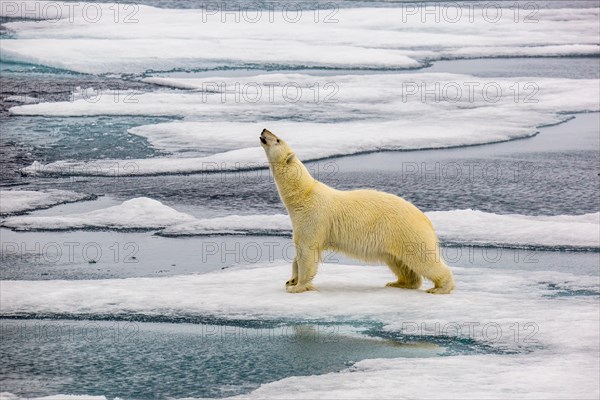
441 276
430 265
407 278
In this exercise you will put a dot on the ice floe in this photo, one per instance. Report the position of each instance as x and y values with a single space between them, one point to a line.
478 227
528 376
19 201
455 226
138 213
371 113
104 38
554 339
467 227
482 295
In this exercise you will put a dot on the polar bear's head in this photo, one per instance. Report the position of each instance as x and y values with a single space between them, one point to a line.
291 176
276 149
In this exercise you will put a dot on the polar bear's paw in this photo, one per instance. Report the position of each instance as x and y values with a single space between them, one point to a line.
300 288
404 285
440 290
291 282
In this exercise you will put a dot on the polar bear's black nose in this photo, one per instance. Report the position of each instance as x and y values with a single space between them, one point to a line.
263 131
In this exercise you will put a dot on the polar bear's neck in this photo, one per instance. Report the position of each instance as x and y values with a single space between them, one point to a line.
294 183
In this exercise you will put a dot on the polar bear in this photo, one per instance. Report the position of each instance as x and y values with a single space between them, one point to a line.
365 224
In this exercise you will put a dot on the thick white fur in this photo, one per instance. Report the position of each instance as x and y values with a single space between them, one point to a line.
366 224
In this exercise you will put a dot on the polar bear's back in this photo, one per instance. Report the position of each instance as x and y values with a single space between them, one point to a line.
371 206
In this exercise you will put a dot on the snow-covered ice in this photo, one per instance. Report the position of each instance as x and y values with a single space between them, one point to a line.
18 201
342 290
138 213
128 39
371 113
478 227
454 226
276 224
543 376
556 347
379 97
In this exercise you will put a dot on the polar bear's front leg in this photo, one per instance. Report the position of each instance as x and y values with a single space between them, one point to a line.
307 259
294 279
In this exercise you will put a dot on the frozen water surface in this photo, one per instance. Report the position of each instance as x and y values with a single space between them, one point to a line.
515 300
147 38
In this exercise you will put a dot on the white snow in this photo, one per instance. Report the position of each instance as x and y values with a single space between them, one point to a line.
478 227
542 376
17 201
455 226
510 296
379 96
370 113
138 213
102 38
233 224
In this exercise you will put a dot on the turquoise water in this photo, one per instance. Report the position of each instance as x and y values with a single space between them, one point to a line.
80 138
12 67
135 360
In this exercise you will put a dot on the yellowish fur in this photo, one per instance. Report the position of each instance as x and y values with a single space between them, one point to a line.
366 224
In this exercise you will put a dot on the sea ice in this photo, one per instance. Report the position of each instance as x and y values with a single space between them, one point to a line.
18 201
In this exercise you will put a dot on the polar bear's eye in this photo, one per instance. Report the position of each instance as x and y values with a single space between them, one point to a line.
277 140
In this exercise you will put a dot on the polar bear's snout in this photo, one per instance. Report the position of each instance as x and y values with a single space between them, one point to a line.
267 138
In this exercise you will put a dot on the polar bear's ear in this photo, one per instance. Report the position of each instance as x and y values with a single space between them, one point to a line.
289 158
